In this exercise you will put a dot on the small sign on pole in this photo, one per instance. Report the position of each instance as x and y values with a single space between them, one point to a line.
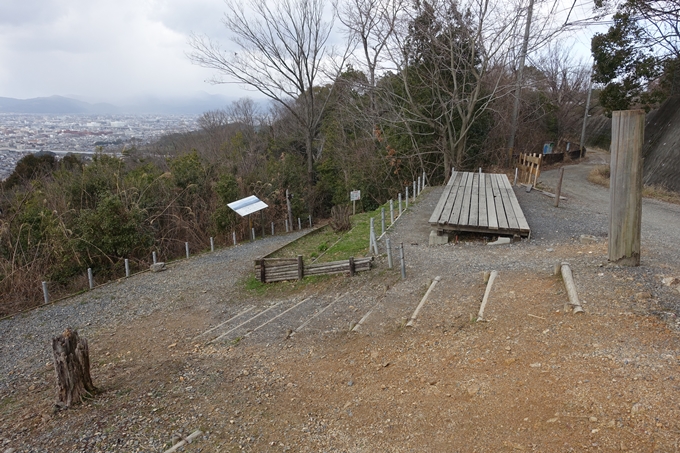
353 197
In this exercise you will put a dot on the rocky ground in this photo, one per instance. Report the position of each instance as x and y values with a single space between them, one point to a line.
533 377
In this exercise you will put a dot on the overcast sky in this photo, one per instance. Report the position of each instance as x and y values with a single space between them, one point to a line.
105 50
113 50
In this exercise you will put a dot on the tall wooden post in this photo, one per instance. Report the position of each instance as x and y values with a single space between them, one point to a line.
290 210
558 191
625 188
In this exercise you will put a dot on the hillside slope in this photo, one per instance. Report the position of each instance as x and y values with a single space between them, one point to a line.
662 138
661 153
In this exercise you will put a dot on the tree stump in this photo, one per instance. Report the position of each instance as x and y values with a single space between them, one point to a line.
72 366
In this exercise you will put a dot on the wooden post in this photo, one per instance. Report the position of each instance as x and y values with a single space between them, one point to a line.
382 221
290 210
186 249
388 246
212 244
301 267
352 268
262 222
46 294
625 190
402 261
558 191
263 275
72 367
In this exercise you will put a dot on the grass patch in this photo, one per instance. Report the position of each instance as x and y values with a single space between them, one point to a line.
327 245
254 285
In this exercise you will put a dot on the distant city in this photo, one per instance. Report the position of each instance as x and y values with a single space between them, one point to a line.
81 134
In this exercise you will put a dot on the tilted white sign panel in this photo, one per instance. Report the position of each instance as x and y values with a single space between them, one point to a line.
247 205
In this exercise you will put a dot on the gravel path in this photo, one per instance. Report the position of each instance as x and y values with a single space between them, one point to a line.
25 339
587 212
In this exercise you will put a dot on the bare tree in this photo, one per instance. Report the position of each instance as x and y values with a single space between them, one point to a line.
564 84
371 23
448 69
283 54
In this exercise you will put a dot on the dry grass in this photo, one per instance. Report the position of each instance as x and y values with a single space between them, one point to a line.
661 193
600 176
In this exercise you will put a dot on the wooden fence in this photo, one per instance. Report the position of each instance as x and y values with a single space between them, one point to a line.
530 167
270 270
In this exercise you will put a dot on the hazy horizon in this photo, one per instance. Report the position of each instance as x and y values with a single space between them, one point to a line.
114 52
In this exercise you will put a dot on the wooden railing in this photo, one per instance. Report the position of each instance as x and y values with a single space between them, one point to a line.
269 270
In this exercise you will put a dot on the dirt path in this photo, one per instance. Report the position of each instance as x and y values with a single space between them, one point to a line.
533 378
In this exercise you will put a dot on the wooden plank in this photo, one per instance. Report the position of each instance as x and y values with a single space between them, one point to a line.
473 219
522 223
483 220
458 203
436 214
465 208
509 197
446 212
490 205
507 203
498 201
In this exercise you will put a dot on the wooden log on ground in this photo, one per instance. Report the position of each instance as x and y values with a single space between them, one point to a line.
492 277
571 288
72 367
185 441
414 316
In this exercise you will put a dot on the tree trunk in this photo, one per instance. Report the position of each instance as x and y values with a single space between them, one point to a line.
310 159
72 366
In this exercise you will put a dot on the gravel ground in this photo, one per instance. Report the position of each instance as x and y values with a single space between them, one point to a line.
532 378
23 338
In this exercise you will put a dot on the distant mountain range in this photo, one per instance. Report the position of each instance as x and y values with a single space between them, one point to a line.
195 104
